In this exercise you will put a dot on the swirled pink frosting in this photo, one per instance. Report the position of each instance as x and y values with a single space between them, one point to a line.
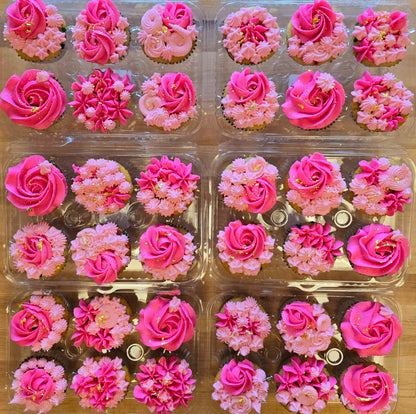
100 253
251 99
39 324
35 100
316 185
384 102
243 326
251 34
39 385
370 328
377 250
164 385
168 31
381 37
314 101
367 389
245 247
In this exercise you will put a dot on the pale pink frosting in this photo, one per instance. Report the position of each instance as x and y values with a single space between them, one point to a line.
383 102
39 324
164 385
38 250
303 387
39 385
168 101
381 37
316 185
377 250
305 328
34 28
100 33
100 384
367 390
100 186
243 326
168 31
241 387
100 253
251 34
35 100
167 187
310 248
251 99
245 247
314 101
318 33
102 323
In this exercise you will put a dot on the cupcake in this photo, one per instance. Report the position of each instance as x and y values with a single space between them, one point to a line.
315 185
39 385
40 323
249 100
243 326
100 384
167 33
380 38
380 103
370 328
303 387
316 34
249 185
377 250
366 389
380 188
164 385
35 30
240 387
165 252
168 101
103 323
306 328
166 323
102 100
101 35
310 249
244 248
167 187
101 253
251 35
102 186
35 100
314 101
39 250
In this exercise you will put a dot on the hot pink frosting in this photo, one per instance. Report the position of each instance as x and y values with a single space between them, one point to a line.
245 247
378 250
316 185
100 253
35 100
367 389
38 250
39 324
314 101
164 385
243 326
100 384
251 34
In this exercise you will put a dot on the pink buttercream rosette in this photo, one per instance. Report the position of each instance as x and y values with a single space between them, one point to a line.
39 385
251 35
243 326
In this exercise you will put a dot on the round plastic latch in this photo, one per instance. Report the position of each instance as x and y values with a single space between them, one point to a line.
135 352
343 218
334 356
279 218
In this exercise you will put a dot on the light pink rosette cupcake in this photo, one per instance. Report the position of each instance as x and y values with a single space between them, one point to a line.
249 185
251 35
166 323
